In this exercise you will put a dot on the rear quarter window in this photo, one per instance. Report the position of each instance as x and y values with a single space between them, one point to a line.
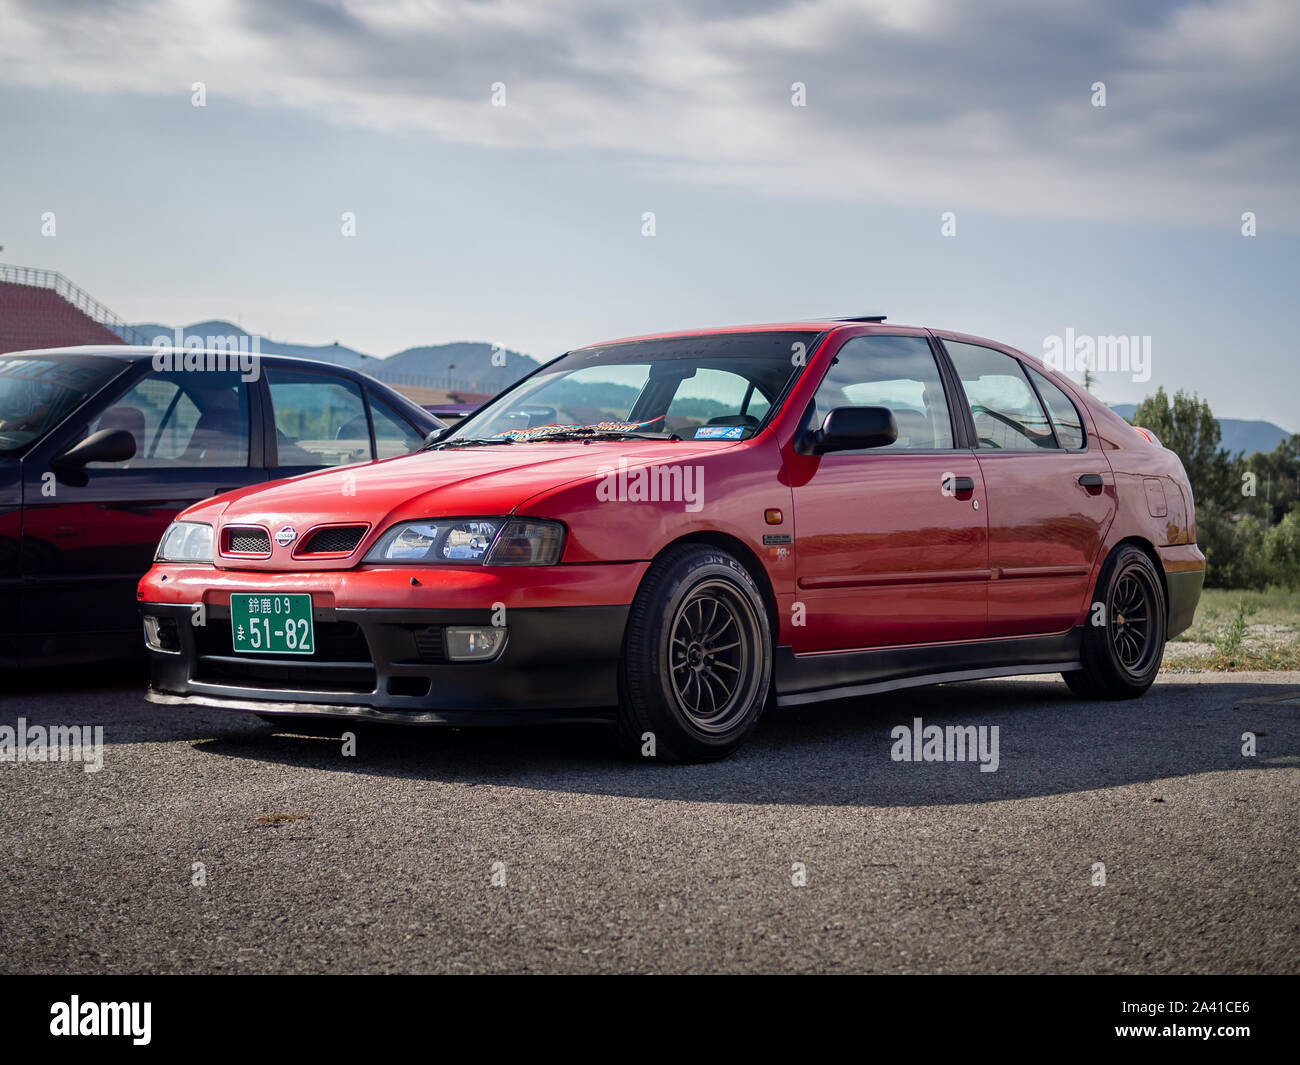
1066 419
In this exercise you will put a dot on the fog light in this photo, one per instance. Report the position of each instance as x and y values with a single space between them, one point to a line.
474 644
161 634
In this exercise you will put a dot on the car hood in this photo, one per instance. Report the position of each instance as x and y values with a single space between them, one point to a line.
468 482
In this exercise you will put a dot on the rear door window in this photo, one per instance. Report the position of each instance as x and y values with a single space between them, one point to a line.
319 420
393 434
1066 419
1006 412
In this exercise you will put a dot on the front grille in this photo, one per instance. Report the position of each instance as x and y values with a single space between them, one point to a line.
336 539
342 662
247 541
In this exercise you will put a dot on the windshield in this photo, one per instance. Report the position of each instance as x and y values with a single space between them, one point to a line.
38 393
717 387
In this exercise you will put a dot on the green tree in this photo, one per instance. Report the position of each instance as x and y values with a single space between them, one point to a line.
1276 481
1188 428
1282 549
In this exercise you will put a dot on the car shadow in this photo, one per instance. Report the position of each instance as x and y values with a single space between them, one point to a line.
839 754
109 694
132 671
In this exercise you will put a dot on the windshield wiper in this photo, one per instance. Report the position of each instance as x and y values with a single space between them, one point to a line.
469 441
558 432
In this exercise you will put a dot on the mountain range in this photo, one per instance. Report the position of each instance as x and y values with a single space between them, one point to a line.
464 365
1236 434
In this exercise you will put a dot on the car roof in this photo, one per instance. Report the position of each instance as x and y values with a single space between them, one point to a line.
875 323
134 354
801 325
811 325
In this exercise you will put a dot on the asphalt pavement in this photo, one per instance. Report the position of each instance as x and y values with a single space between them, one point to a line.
1112 837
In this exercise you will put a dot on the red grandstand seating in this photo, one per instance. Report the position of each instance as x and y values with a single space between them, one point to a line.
35 317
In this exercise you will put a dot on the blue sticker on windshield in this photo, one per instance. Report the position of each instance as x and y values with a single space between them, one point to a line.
719 432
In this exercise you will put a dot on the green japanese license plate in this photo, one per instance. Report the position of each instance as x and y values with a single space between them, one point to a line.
271 624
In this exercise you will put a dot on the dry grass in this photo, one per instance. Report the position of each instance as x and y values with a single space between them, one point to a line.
1236 630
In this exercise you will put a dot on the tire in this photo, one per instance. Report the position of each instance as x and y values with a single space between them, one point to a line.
1122 657
697 658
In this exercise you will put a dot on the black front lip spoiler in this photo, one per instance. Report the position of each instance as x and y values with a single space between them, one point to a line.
559 663
360 713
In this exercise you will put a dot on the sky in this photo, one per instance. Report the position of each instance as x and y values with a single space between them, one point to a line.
941 162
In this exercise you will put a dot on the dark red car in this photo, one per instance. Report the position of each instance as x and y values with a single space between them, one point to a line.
101 447
669 533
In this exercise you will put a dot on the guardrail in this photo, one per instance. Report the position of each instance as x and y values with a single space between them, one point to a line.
78 297
92 308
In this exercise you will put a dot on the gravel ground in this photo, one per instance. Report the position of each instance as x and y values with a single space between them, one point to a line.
385 861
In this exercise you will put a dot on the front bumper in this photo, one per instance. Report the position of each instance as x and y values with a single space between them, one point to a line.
558 663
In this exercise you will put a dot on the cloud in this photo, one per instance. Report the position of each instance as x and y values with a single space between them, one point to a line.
937 103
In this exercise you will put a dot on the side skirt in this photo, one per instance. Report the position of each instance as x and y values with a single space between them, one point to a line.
802 679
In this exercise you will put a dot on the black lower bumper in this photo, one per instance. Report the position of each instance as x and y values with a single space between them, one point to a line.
558 663
1184 593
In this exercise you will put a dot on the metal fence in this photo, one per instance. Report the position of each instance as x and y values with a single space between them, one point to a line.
92 308
78 297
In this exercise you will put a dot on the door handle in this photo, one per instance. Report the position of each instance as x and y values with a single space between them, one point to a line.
956 485
1090 480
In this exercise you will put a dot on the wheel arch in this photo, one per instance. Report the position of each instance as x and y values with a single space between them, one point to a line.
746 557
1147 548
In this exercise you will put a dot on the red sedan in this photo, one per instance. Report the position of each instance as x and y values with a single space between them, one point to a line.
672 532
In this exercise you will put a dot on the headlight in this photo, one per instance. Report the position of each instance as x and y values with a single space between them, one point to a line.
477 541
185 541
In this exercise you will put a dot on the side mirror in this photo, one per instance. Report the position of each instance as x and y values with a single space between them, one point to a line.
435 435
107 445
851 429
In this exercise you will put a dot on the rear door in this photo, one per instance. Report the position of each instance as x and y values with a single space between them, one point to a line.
1046 518
86 546
891 542
318 419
